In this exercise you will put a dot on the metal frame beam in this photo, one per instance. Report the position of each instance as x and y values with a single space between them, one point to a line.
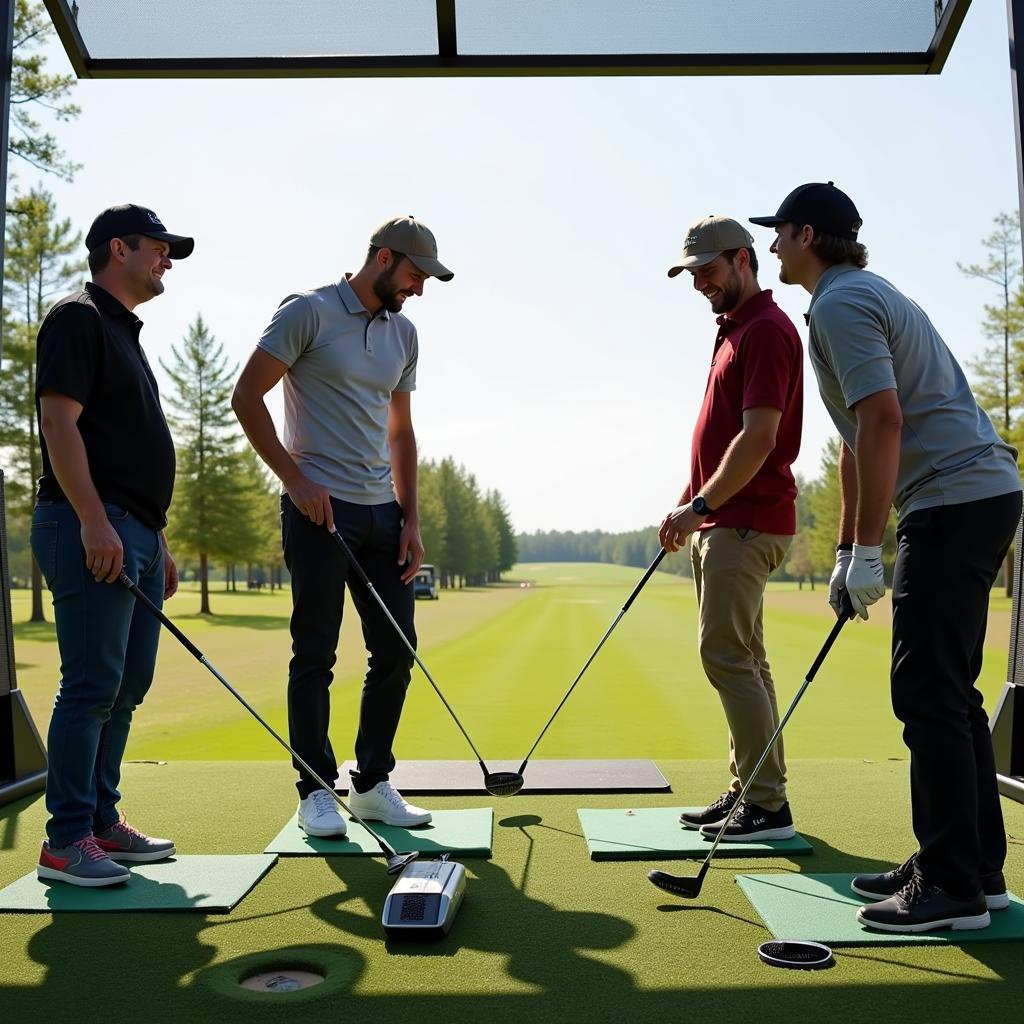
449 63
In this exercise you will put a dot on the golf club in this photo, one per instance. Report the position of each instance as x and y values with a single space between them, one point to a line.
689 888
396 861
496 783
632 597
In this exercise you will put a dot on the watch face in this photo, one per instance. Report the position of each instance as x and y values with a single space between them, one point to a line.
699 505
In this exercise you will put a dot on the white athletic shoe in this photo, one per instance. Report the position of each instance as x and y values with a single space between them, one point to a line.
318 815
384 803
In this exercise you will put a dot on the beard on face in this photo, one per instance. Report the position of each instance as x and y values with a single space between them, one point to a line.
729 296
384 288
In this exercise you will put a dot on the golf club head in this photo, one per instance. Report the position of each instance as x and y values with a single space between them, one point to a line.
400 861
503 783
678 885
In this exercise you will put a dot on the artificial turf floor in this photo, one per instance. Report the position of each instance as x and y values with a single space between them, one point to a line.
544 934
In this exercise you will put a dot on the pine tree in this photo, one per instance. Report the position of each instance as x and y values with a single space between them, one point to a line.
38 267
209 501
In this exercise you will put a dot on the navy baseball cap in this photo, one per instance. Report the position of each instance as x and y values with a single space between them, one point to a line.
130 219
823 206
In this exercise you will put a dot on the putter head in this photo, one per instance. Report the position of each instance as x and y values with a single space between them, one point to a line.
678 885
400 861
503 783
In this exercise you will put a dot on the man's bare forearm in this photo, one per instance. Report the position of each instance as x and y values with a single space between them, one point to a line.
259 428
743 458
878 447
405 471
847 494
70 464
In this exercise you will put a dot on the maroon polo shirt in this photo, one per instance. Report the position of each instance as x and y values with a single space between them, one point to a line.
758 361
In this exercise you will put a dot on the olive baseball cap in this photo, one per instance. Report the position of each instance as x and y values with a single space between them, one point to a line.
824 207
414 240
131 219
709 238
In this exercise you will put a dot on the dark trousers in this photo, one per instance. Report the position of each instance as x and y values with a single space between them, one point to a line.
947 560
319 573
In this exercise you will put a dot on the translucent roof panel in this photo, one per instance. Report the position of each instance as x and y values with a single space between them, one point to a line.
126 38
694 26
257 28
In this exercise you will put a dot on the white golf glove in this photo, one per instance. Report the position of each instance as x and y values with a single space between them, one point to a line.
838 579
865 582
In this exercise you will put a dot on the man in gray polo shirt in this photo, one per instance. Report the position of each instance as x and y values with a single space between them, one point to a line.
914 437
347 357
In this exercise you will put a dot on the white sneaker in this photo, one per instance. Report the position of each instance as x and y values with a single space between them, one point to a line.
318 815
384 803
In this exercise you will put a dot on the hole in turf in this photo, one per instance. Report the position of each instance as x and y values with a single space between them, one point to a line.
282 979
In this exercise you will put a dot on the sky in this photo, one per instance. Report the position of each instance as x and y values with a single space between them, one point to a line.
561 366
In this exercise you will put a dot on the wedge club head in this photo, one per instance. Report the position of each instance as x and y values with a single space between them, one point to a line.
503 783
398 862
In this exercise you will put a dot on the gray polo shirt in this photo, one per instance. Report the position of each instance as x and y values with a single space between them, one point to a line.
866 337
343 364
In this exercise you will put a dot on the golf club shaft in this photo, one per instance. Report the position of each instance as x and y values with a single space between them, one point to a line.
199 656
832 637
412 650
622 611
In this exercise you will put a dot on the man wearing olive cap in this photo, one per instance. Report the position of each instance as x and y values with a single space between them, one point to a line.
740 508
915 438
106 484
347 356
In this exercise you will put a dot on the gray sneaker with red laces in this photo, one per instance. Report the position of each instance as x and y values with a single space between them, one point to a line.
124 842
79 863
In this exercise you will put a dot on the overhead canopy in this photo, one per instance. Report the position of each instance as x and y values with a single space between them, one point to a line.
199 38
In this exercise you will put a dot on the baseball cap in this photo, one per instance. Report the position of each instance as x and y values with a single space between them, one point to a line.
415 240
823 206
709 238
130 219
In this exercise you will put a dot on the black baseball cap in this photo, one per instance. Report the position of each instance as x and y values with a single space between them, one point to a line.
130 219
823 206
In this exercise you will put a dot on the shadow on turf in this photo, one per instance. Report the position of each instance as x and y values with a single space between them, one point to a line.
10 817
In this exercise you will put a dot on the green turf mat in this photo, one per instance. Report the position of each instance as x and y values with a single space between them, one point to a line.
822 908
466 832
654 833
206 884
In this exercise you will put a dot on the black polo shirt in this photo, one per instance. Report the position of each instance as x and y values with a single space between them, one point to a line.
88 349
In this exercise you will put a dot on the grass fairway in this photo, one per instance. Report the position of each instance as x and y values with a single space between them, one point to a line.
503 657
545 934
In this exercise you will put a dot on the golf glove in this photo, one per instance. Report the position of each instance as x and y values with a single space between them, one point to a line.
838 579
864 579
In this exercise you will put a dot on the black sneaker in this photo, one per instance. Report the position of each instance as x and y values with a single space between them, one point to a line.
711 815
920 907
881 887
753 824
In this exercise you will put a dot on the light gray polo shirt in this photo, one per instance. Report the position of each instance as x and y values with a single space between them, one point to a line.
343 364
866 337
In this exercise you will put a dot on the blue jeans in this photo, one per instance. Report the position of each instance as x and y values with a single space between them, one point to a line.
108 654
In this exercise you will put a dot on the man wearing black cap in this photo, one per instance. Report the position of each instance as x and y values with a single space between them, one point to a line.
108 474
347 356
914 437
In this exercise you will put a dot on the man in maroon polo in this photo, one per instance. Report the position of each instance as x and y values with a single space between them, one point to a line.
740 508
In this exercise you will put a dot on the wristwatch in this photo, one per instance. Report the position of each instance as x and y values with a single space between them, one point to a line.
701 507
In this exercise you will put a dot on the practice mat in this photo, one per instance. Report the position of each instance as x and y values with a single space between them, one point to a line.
654 833
206 884
464 778
822 908
467 833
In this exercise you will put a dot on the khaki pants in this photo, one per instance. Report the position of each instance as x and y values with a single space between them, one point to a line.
730 570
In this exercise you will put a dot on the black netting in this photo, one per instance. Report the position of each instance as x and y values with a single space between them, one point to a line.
306 28
7 680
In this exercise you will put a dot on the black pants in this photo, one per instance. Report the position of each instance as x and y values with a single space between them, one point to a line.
947 560
319 573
